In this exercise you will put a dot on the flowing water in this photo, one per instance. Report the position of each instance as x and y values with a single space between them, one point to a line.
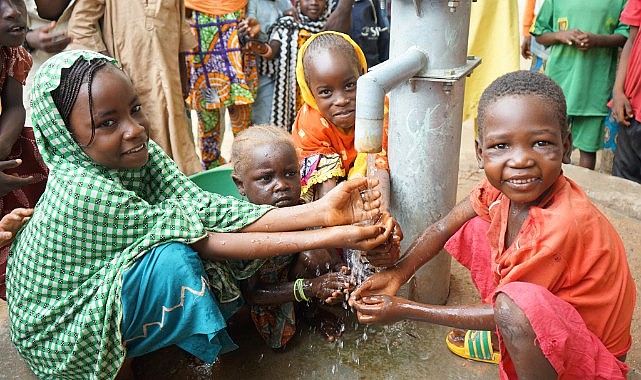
356 260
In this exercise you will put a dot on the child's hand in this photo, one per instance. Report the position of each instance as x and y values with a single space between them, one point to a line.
249 26
12 222
621 108
331 287
586 41
257 47
387 254
569 37
292 12
362 238
386 282
379 309
8 182
525 47
47 40
351 202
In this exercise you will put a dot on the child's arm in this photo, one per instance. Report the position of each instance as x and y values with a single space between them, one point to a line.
566 37
12 117
589 41
427 245
12 222
389 309
84 26
350 202
259 245
582 40
621 107
330 287
340 19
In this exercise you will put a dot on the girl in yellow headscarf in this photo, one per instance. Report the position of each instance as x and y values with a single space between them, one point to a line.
328 66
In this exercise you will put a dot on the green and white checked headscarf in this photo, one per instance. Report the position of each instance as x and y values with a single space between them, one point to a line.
65 270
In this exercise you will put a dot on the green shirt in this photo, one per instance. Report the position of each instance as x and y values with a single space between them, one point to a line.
586 77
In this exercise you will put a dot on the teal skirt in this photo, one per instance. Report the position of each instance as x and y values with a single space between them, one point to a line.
166 301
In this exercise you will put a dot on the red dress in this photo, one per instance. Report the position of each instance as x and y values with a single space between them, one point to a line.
16 63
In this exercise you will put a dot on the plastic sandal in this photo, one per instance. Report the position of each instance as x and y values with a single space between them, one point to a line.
477 346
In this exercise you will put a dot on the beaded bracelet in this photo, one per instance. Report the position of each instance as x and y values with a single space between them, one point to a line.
299 294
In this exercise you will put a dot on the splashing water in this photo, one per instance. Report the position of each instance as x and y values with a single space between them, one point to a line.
357 260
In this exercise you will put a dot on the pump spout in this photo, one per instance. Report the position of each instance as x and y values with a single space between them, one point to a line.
370 96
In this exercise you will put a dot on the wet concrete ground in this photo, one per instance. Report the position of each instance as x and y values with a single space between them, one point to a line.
405 350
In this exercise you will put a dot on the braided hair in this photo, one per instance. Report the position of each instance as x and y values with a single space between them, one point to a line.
525 83
71 80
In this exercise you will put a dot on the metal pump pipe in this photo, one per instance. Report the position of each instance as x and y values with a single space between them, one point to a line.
370 97
425 117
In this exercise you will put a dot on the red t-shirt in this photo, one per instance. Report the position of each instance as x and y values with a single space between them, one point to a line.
631 15
569 247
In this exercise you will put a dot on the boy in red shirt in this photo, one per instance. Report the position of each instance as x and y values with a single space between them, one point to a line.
563 295
626 99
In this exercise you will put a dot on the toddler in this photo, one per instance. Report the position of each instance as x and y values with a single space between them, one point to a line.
266 172
562 295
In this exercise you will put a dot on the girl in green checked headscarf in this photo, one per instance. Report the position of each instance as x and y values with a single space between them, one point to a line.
123 254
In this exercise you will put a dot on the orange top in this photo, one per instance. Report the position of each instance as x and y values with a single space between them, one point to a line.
528 17
569 247
215 8
313 134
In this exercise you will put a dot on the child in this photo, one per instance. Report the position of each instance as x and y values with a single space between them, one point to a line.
23 175
563 294
261 16
221 76
288 34
329 64
584 37
626 99
119 238
266 172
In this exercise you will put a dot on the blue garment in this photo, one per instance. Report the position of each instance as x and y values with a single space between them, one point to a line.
370 30
167 301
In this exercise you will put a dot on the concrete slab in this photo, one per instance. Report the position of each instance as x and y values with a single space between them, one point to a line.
405 350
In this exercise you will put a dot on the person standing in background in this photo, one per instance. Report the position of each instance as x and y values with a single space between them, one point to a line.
154 32
221 78
584 39
626 99
530 49
261 15
370 30
47 35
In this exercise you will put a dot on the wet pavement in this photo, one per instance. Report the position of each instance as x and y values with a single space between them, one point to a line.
406 350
